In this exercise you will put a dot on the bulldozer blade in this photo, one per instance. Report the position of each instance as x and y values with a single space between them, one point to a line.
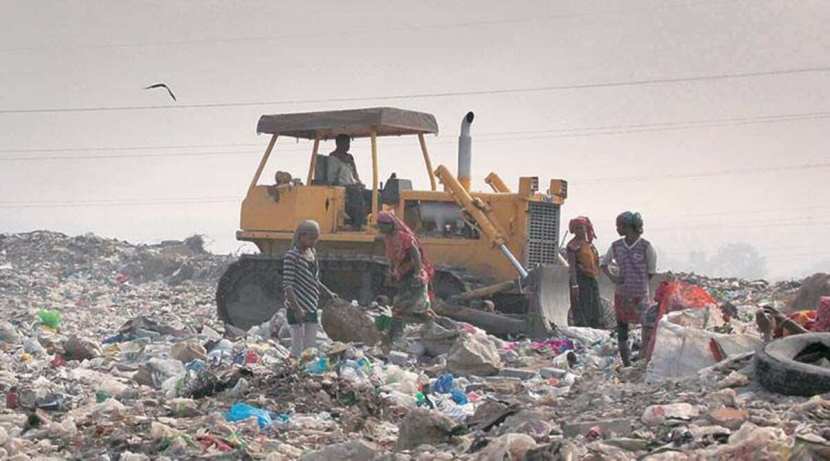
549 299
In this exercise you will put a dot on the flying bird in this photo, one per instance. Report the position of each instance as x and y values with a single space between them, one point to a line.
162 85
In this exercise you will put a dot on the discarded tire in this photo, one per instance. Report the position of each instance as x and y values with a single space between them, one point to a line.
250 291
778 372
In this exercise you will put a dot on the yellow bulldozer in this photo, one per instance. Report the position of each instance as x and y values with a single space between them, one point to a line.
502 244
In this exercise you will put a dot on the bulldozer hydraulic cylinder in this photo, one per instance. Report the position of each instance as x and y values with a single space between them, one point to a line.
484 222
515 262
466 201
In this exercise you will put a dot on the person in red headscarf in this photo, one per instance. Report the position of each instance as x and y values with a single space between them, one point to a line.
774 324
411 271
583 260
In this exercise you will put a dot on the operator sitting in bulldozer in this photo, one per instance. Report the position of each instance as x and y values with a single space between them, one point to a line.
342 171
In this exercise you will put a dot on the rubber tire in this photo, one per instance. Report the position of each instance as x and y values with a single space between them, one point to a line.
778 372
250 291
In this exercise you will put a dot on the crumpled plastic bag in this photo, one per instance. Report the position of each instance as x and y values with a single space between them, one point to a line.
682 346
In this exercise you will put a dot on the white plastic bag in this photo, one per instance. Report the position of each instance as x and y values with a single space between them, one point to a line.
682 347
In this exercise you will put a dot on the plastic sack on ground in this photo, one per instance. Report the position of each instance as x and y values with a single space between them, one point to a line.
675 295
683 346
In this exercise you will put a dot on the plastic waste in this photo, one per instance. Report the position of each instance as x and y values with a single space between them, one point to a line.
222 351
682 345
402 399
444 384
51 319
195 365
280 418
318 367
242 411
564 360
52 402
383 322
32 346
12 399
101 396
459 397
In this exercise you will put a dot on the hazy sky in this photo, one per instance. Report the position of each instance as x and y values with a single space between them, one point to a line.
707 162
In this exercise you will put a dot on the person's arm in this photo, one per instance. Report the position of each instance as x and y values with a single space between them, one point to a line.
605 262
326 291
572 276
651 261
354 167
415 258
571 266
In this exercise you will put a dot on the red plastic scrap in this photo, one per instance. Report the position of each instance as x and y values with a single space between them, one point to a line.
209 441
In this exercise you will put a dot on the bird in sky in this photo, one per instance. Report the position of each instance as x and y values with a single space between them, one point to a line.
162 85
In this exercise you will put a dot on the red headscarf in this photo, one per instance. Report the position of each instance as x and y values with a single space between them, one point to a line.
589 228
399 243
823 315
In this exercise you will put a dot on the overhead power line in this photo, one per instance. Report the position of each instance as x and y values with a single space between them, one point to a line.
562 87
501 136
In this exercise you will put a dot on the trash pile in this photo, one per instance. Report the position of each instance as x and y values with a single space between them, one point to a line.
114 351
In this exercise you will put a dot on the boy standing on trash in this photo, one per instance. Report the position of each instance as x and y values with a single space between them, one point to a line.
302 287
637 263
583 262
412 272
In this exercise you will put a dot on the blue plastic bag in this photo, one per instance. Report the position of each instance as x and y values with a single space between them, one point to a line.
459 397
318 367
243 411
444 384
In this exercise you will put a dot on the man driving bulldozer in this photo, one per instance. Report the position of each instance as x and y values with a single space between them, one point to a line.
342 171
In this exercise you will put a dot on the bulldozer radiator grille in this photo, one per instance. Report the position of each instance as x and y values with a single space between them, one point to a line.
542 233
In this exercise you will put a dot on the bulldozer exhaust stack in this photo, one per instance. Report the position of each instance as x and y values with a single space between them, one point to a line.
465 151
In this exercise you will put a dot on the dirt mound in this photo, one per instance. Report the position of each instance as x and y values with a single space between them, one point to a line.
812 289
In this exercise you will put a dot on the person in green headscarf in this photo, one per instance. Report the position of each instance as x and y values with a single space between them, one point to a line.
636 261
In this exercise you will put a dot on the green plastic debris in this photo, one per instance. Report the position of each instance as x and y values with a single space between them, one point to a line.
383 322
51 319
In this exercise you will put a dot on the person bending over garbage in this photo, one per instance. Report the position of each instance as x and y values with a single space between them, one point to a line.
583 260
302 287
412 272
637 263
774 324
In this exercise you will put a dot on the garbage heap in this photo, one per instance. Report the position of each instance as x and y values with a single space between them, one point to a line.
106 353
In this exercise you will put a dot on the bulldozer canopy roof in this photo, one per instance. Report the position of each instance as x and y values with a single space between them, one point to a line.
356 123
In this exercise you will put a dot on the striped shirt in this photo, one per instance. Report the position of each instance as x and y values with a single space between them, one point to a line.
304 277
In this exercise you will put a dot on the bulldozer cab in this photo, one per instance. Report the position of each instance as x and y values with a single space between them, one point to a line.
280 208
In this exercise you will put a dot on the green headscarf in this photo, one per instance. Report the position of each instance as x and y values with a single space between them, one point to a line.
633 219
